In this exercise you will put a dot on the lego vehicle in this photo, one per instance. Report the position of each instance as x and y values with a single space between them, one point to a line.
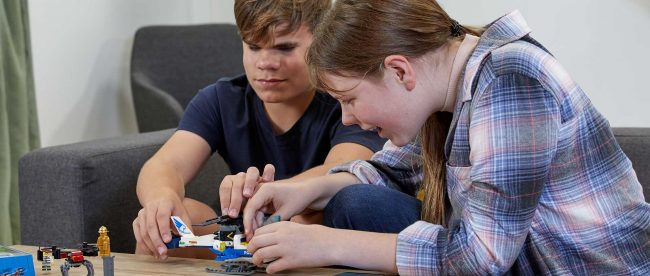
76 259
89 249
228 242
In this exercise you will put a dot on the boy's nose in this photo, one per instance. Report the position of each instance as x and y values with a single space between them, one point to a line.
268 61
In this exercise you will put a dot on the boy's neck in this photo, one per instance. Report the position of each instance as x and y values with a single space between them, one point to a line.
285 114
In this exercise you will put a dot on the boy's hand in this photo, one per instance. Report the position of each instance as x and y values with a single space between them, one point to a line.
152 226
235 189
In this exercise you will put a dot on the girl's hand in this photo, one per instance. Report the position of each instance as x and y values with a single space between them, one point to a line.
283 199
292 245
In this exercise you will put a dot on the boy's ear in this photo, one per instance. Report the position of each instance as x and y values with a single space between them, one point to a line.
400 67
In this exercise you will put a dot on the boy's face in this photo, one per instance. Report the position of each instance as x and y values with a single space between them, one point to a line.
278 72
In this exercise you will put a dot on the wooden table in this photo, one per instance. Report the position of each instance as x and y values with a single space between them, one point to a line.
130 264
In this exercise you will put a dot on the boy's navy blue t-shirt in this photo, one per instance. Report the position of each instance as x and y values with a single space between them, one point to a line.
231 118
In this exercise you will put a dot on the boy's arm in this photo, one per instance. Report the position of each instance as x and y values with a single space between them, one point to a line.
340 153
161 188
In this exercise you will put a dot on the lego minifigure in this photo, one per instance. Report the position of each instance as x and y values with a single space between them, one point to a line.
104 242
46 264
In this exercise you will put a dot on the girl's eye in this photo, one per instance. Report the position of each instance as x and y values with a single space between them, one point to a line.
253 48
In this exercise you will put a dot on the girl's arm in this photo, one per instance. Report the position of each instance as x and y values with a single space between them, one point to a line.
289 199
292 245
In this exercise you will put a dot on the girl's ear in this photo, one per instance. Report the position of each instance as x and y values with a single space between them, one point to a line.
400 67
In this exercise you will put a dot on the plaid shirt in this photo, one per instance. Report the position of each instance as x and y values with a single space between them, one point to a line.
535 178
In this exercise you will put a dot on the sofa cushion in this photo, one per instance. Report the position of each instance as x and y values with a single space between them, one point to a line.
635 142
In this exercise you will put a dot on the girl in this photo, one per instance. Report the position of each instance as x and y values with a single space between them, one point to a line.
525 176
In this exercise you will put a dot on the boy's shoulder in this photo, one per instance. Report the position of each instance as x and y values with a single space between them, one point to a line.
236 84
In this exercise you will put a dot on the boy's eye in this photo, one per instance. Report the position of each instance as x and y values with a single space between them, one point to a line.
286 48
253 47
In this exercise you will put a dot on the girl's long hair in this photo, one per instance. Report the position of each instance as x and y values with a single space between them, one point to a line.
354 39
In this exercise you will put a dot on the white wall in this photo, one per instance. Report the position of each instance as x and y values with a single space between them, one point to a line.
602 44
82 48
81 51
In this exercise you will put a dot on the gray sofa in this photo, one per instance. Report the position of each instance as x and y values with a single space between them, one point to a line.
68 192
170 63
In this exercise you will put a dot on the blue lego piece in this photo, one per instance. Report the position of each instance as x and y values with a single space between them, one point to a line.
173 244
15 262
230 253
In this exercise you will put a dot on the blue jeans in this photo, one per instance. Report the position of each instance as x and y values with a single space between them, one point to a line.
371 208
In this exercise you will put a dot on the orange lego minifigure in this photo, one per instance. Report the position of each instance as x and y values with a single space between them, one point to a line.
104 242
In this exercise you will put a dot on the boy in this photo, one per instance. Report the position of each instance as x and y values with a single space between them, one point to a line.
270 115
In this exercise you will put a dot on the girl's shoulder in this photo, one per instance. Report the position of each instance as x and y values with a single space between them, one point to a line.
519 57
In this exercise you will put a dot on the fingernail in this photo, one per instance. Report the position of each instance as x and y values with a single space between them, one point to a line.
248 192
225 211
233 212
166 237
161 250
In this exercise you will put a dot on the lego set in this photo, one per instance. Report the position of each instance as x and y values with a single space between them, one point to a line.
76 257
228 242
15 262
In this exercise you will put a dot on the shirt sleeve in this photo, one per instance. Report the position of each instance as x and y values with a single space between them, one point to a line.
202 117
513 136
395 167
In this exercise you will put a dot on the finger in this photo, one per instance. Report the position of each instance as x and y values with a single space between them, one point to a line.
143 232
236 194
253 206
225 189
269 173
261 241
259 220
163 219
265 253
141 249
270 228
154 232
136 231
250 234
252 176
280 265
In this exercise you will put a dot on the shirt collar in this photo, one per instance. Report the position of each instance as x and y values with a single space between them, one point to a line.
508 28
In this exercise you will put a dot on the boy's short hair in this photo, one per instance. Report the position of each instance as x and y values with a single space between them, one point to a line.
258 19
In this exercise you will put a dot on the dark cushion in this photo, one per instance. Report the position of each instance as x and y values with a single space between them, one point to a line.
68 192
169 64
635 142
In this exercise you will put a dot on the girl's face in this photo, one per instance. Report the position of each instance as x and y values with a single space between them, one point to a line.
384 105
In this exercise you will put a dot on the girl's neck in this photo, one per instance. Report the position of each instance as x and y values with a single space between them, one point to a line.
442 70
463 51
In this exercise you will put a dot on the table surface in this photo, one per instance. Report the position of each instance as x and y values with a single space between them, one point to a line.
130 264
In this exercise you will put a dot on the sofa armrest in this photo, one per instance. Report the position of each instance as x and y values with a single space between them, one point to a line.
155 109
67 192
